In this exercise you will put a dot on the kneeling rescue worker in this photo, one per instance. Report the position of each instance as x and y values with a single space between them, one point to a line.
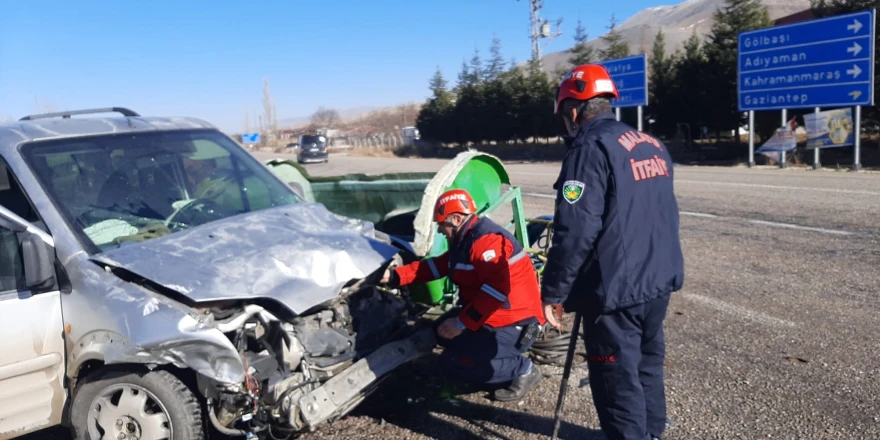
499 297
615 255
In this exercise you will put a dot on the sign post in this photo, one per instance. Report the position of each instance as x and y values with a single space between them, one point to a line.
751 138
858 138
630 75
827 62
816 164
782 163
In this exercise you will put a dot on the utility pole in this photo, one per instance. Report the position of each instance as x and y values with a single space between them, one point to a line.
540 28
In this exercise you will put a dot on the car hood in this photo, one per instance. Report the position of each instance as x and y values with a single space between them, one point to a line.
299 256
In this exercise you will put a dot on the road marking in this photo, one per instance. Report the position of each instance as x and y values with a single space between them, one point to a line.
541 196
736 310
714 216
766 186
526 173
803 228
698 214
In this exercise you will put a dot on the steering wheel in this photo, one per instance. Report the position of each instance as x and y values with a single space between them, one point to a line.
197 211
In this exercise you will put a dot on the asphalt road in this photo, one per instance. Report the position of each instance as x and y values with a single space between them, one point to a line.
774 335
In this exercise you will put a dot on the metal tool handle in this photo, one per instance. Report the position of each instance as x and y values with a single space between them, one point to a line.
566 372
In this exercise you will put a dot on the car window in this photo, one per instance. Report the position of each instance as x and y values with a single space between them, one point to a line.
11 267
118 189
311 139
12 197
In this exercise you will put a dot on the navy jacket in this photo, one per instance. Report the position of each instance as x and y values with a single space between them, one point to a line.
616 241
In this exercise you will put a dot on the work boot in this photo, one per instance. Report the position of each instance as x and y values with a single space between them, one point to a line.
520 386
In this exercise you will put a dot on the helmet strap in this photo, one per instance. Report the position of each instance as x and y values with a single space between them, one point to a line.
460 227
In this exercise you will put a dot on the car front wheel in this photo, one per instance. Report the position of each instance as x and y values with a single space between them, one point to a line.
121 405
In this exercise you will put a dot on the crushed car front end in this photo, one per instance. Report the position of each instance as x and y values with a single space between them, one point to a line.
314 368
185 252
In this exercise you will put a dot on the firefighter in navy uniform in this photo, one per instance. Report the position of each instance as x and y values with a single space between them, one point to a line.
499 293
616 255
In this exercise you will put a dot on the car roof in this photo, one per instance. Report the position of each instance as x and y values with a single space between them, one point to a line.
62 125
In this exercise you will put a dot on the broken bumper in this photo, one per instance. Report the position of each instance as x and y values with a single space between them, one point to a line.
340 394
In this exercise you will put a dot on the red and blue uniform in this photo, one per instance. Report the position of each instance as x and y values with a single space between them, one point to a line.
499 294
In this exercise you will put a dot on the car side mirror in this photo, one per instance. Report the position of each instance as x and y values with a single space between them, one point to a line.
39 262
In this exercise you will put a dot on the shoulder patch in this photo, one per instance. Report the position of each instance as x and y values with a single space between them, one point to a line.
572 190
489 255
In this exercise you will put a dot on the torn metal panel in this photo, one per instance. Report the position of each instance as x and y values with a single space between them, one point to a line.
114 322
299 255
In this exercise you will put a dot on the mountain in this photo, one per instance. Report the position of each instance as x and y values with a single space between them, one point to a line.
346 113
677 23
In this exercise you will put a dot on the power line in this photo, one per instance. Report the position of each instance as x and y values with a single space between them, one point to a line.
540 29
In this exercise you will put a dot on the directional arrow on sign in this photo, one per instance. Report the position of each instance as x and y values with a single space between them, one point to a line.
855 27
855 71
855 49
855 94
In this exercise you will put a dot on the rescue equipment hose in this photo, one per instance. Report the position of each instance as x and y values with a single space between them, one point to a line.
548 349
551 346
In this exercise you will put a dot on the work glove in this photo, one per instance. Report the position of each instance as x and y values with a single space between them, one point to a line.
390 279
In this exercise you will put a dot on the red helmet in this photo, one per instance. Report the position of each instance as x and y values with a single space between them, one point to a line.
584 82
453 201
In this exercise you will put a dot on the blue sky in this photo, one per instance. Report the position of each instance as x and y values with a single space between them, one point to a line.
208 58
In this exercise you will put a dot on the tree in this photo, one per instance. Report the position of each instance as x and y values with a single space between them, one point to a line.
324 117
476 68
496 65
433 118
437 85
581 53
464 78
662 80
688 94
615 46
269 116
721 53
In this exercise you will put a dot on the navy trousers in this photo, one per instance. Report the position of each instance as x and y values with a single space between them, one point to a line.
625 353
485 357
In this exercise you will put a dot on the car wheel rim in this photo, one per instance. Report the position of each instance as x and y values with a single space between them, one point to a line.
128 412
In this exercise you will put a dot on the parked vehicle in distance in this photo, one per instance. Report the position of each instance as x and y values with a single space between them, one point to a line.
409 136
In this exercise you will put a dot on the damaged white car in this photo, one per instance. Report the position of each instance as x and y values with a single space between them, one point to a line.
157 282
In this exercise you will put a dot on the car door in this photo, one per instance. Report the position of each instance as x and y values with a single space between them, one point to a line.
32 354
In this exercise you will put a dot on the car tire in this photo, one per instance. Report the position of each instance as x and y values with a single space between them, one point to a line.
175 413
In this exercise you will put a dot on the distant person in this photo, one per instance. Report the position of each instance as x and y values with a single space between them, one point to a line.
500 301
615 255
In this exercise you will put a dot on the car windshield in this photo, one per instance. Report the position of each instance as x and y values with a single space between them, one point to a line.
120 189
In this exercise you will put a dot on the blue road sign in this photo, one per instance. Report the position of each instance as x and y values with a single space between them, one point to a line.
818 63
630 75
250 138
